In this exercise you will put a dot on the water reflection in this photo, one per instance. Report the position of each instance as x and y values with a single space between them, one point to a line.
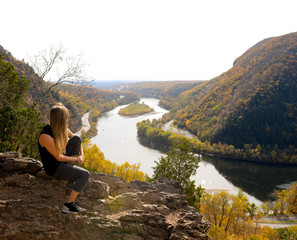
258 180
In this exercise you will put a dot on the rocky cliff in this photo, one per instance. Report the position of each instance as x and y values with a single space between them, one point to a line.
30 203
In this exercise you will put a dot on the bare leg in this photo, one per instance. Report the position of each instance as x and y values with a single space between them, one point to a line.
72 196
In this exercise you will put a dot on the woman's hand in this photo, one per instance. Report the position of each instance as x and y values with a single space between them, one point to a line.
80 160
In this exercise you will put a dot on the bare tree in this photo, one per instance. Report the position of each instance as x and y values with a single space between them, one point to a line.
55 66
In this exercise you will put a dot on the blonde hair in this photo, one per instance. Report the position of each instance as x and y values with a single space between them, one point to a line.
59 123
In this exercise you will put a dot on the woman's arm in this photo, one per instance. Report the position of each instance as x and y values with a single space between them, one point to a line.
82 155
70 134
47 141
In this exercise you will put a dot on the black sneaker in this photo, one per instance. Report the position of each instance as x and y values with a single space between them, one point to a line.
72 208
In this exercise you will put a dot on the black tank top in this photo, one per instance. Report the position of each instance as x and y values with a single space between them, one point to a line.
49 162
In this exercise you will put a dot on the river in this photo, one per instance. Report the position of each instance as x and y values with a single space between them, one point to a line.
117 139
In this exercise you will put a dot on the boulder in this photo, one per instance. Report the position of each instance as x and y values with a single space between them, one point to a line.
95 189
124 202
23 165
190 226
161 185
116 185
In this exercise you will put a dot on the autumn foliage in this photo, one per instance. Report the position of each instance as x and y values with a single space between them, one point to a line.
135 109
253 103
95 161
151 134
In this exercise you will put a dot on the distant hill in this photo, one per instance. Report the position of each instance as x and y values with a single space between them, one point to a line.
159 89
110 84
255 102
166 91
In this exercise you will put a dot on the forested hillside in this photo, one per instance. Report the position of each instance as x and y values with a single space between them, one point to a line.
79 99
36 85
37 88
26 100
255 102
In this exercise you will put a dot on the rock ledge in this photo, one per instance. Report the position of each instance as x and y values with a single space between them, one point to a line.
30 203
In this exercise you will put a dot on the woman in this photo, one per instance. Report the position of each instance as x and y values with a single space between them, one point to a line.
53 143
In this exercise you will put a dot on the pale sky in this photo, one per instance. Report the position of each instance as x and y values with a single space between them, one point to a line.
145 40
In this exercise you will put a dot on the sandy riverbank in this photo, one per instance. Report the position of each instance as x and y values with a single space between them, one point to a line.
168 127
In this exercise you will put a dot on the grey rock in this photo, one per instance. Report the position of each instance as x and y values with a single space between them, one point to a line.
116 185
124 202
161 185
23 165
95 189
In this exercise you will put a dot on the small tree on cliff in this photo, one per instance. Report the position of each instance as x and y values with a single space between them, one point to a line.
58 68
180 164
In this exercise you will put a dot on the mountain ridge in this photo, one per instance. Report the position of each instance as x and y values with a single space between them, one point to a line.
264 72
